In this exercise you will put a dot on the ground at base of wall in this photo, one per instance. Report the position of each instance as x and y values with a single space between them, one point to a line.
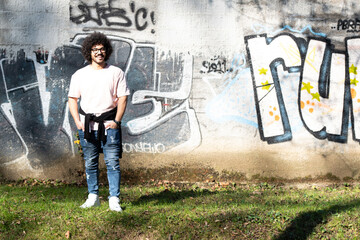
180 174
208 175
197 178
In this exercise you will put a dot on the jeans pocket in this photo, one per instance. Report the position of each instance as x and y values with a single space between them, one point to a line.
81 137
113 136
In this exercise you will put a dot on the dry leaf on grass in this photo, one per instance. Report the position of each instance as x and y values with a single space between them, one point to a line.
67 234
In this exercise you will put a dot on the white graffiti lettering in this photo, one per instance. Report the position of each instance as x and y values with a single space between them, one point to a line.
327 93
143 147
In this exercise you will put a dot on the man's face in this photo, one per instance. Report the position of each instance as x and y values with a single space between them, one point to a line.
98 53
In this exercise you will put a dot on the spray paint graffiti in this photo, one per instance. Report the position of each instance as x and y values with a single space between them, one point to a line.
42 56
143 147
158 109
272 117
327 86
353 64
141 18
230 93
31 113
216 64
261 28
326 92
35 114
350 25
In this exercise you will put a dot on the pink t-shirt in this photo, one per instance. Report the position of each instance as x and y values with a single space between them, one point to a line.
98 90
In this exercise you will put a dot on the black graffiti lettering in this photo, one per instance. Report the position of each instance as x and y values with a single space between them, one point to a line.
152 16
339 24
206 66
116 13
86 14
112 16
352 24
132 6
348 24
215 65
357 23
342 24
144 15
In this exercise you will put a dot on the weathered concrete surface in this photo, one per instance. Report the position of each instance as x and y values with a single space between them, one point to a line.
218 88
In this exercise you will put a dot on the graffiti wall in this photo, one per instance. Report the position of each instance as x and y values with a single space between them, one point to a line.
251 87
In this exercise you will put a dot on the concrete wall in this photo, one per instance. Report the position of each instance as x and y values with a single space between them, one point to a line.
264 88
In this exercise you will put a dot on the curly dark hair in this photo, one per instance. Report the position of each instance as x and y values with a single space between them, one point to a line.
94 39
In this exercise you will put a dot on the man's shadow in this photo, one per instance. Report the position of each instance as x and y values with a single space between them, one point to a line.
170 196
304 224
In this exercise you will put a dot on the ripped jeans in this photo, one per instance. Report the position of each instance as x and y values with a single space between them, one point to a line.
91 149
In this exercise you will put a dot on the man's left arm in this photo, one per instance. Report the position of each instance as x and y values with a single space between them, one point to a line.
121 106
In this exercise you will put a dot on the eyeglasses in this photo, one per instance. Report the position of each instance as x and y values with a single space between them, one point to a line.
95 50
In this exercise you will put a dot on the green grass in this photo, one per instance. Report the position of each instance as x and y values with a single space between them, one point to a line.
31 209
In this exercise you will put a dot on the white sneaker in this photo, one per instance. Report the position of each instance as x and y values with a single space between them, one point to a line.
92 201
114 204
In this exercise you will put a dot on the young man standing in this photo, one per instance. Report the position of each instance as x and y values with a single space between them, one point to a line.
102 91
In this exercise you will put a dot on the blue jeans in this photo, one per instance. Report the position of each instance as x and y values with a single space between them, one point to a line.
91 149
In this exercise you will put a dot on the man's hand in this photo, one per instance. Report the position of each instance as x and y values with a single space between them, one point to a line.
111 124
73 107
79 125
121 105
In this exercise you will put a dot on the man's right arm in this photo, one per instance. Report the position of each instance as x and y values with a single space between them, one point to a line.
73 107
